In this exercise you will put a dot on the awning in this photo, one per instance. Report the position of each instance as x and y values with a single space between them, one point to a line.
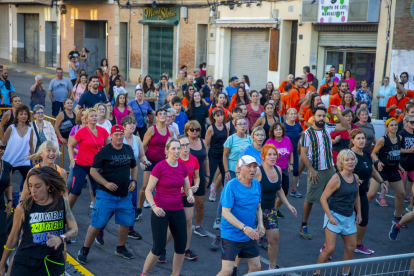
247 22
27 2
159 22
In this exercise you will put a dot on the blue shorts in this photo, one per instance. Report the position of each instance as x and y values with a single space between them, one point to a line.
106 204
57 107
346 225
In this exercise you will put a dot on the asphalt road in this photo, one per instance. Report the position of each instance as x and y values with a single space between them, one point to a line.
293 249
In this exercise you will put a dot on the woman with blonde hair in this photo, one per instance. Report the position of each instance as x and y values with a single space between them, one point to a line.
103 116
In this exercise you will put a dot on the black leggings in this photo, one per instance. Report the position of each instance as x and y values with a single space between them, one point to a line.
176 220
23 170
214 162
363 198
3 223
141 131
285 182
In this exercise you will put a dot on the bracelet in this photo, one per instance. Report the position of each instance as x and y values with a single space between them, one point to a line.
152 206
61 239
207 176
9 200
9 249
244 228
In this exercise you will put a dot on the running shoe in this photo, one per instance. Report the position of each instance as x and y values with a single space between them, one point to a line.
407 199
409 208
280 215
200 231
134 235
99 239
190 255
146 204
394 232
212 196
295 193
217 224
322 248
138 213
235 272
121 251
381 201
362 249
304 233
82 256
91 206
216 244
163 259
263 243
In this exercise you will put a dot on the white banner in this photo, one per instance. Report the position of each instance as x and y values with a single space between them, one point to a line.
333 11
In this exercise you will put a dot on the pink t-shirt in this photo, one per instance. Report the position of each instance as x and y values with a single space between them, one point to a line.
170 180
72 133
89 144
79 90
351 83
284 149
192 166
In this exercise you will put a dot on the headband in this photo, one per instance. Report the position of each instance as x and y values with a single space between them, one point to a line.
389 120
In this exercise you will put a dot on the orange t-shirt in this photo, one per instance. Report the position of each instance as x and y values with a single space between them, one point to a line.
282 86
409 93
226 111
334 100
306 117
400 118
184 102
400 104
334 88
293 101
234 102
303 91
304 110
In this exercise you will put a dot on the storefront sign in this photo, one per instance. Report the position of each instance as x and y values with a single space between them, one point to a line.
161 13
333 11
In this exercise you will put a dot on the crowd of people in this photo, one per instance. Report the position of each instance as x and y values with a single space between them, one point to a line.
190 138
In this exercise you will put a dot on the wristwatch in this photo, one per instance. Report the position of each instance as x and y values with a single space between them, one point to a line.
63 237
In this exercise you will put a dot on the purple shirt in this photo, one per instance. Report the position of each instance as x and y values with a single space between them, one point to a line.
284 149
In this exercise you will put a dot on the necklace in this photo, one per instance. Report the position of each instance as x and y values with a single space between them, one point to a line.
44 202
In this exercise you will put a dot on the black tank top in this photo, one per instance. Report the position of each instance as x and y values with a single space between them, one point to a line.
217 142
389 154
232 129
266 127
112 84
200 155
38 222
10 121
269 189
67 125
342 200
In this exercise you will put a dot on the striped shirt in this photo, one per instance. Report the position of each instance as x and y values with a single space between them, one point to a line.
320 146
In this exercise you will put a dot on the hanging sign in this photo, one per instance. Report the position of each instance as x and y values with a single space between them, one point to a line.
161 13
333 11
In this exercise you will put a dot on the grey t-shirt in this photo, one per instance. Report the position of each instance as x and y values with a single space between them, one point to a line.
60 89
370 131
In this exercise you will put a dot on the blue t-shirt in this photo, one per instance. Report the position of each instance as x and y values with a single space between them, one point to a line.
5 92
236 145
250 150
243 202
293 132
231 91
60 89
181 120
140 111
88 99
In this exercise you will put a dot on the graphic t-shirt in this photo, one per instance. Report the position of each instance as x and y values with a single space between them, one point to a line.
60 89
89 144
192 165
407 142
115 165
284 148
243 202
170 180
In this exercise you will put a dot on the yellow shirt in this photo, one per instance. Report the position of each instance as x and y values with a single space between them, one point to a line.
180 83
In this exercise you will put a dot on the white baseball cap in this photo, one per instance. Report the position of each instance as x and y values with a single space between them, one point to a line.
138 87
247 160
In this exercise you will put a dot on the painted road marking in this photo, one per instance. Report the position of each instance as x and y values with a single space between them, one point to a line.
78 266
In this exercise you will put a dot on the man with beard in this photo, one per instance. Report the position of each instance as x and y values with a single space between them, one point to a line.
91 97
306 87
335 77
6 87
316 153
329 82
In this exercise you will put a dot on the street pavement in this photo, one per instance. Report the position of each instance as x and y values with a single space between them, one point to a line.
293 249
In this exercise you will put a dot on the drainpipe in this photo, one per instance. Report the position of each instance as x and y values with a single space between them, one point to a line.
388 40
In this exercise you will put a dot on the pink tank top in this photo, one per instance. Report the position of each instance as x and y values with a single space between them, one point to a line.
156 146
119 115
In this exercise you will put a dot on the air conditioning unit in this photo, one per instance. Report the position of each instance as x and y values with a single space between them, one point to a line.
367 11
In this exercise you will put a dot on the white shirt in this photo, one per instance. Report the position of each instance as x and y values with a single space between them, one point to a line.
409 85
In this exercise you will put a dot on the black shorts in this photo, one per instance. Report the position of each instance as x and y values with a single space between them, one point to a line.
153 163
231 249
390 175
34 267
202 188
187 204
56 108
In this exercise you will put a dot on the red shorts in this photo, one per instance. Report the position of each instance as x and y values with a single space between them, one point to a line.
410 175
60 142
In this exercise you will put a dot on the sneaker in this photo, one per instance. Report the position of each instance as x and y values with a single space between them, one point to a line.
409 208
99 239
200 231
295 193
121 251
138 213
82 255
212 196
217 224
91 206
146 204
190 255
394 232
216 244
322 248
134 235
263 243
235 272
163 259
381 201
407 199
397 220
362 249
280 215
304 233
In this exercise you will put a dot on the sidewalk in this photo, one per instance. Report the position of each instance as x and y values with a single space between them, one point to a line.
48 72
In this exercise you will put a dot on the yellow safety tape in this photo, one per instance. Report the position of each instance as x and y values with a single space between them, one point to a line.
78 266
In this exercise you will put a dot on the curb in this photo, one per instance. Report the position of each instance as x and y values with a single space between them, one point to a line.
44 74
77 265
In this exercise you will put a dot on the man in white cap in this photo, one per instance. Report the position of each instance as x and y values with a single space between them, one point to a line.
241 199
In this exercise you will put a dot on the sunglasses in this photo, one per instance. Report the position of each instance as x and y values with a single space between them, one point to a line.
195 129
190 89
411 122
2 147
